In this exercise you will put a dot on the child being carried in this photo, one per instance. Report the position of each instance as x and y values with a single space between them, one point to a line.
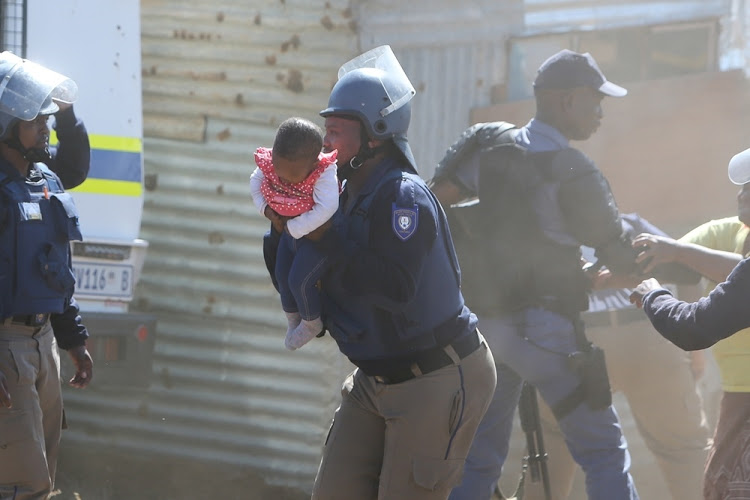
296 188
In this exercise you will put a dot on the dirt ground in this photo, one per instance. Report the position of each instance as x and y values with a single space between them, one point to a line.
99 474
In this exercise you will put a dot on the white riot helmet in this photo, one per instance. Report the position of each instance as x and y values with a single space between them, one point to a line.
373 88
28 90
739 168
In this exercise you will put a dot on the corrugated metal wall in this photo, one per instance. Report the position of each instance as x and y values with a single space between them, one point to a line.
217 81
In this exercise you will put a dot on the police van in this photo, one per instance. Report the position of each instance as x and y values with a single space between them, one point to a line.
97 44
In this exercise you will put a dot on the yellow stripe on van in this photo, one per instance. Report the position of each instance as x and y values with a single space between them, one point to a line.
114 143
104 186
110 142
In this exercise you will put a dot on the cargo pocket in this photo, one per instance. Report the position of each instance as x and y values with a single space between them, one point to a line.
19 453
437 474
21 371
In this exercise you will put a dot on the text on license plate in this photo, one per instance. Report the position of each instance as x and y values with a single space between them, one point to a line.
114 280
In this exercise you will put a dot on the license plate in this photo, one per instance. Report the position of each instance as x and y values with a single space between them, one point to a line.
111 280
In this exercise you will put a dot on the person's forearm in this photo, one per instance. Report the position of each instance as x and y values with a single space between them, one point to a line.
698 325
713 264
68 328
71 158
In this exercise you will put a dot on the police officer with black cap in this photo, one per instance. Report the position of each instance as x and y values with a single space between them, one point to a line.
557 200
392 303
38 314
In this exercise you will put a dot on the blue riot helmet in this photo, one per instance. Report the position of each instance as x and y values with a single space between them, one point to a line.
373 88
29 90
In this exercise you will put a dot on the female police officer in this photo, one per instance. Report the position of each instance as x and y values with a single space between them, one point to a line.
37 311
392 302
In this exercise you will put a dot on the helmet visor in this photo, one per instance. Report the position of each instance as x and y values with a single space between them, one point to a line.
397 85
27 87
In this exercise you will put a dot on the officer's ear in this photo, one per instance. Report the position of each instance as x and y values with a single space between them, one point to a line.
364 136
568 100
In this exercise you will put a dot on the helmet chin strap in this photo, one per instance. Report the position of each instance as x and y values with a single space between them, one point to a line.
32 155
365 153
346 170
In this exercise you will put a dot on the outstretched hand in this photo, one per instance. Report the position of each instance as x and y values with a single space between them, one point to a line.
601 278
646 286
606 279
654 250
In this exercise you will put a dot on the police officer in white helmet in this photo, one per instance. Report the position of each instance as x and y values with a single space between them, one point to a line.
38 314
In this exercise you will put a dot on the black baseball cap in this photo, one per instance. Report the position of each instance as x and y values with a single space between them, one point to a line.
568 70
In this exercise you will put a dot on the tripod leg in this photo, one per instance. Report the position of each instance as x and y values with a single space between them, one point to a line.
528 408
543 454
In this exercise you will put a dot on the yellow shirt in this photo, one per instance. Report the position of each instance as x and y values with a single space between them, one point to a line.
733 353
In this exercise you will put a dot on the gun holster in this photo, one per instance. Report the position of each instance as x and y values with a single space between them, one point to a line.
591 367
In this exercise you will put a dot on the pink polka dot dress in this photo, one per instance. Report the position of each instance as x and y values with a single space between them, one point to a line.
289 199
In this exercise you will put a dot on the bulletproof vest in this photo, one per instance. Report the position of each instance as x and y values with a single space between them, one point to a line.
507 261
365 331
40 221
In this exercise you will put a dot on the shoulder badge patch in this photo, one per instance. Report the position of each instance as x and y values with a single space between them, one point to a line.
405 221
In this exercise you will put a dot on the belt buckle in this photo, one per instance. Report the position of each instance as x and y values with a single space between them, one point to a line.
32 320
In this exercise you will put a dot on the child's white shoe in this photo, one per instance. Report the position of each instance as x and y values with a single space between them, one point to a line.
303 333
292 319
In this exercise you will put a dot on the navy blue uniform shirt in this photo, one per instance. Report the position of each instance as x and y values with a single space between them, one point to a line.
391 293
373 271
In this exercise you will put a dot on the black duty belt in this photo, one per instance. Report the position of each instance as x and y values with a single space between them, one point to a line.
27 320
613 317
427 361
